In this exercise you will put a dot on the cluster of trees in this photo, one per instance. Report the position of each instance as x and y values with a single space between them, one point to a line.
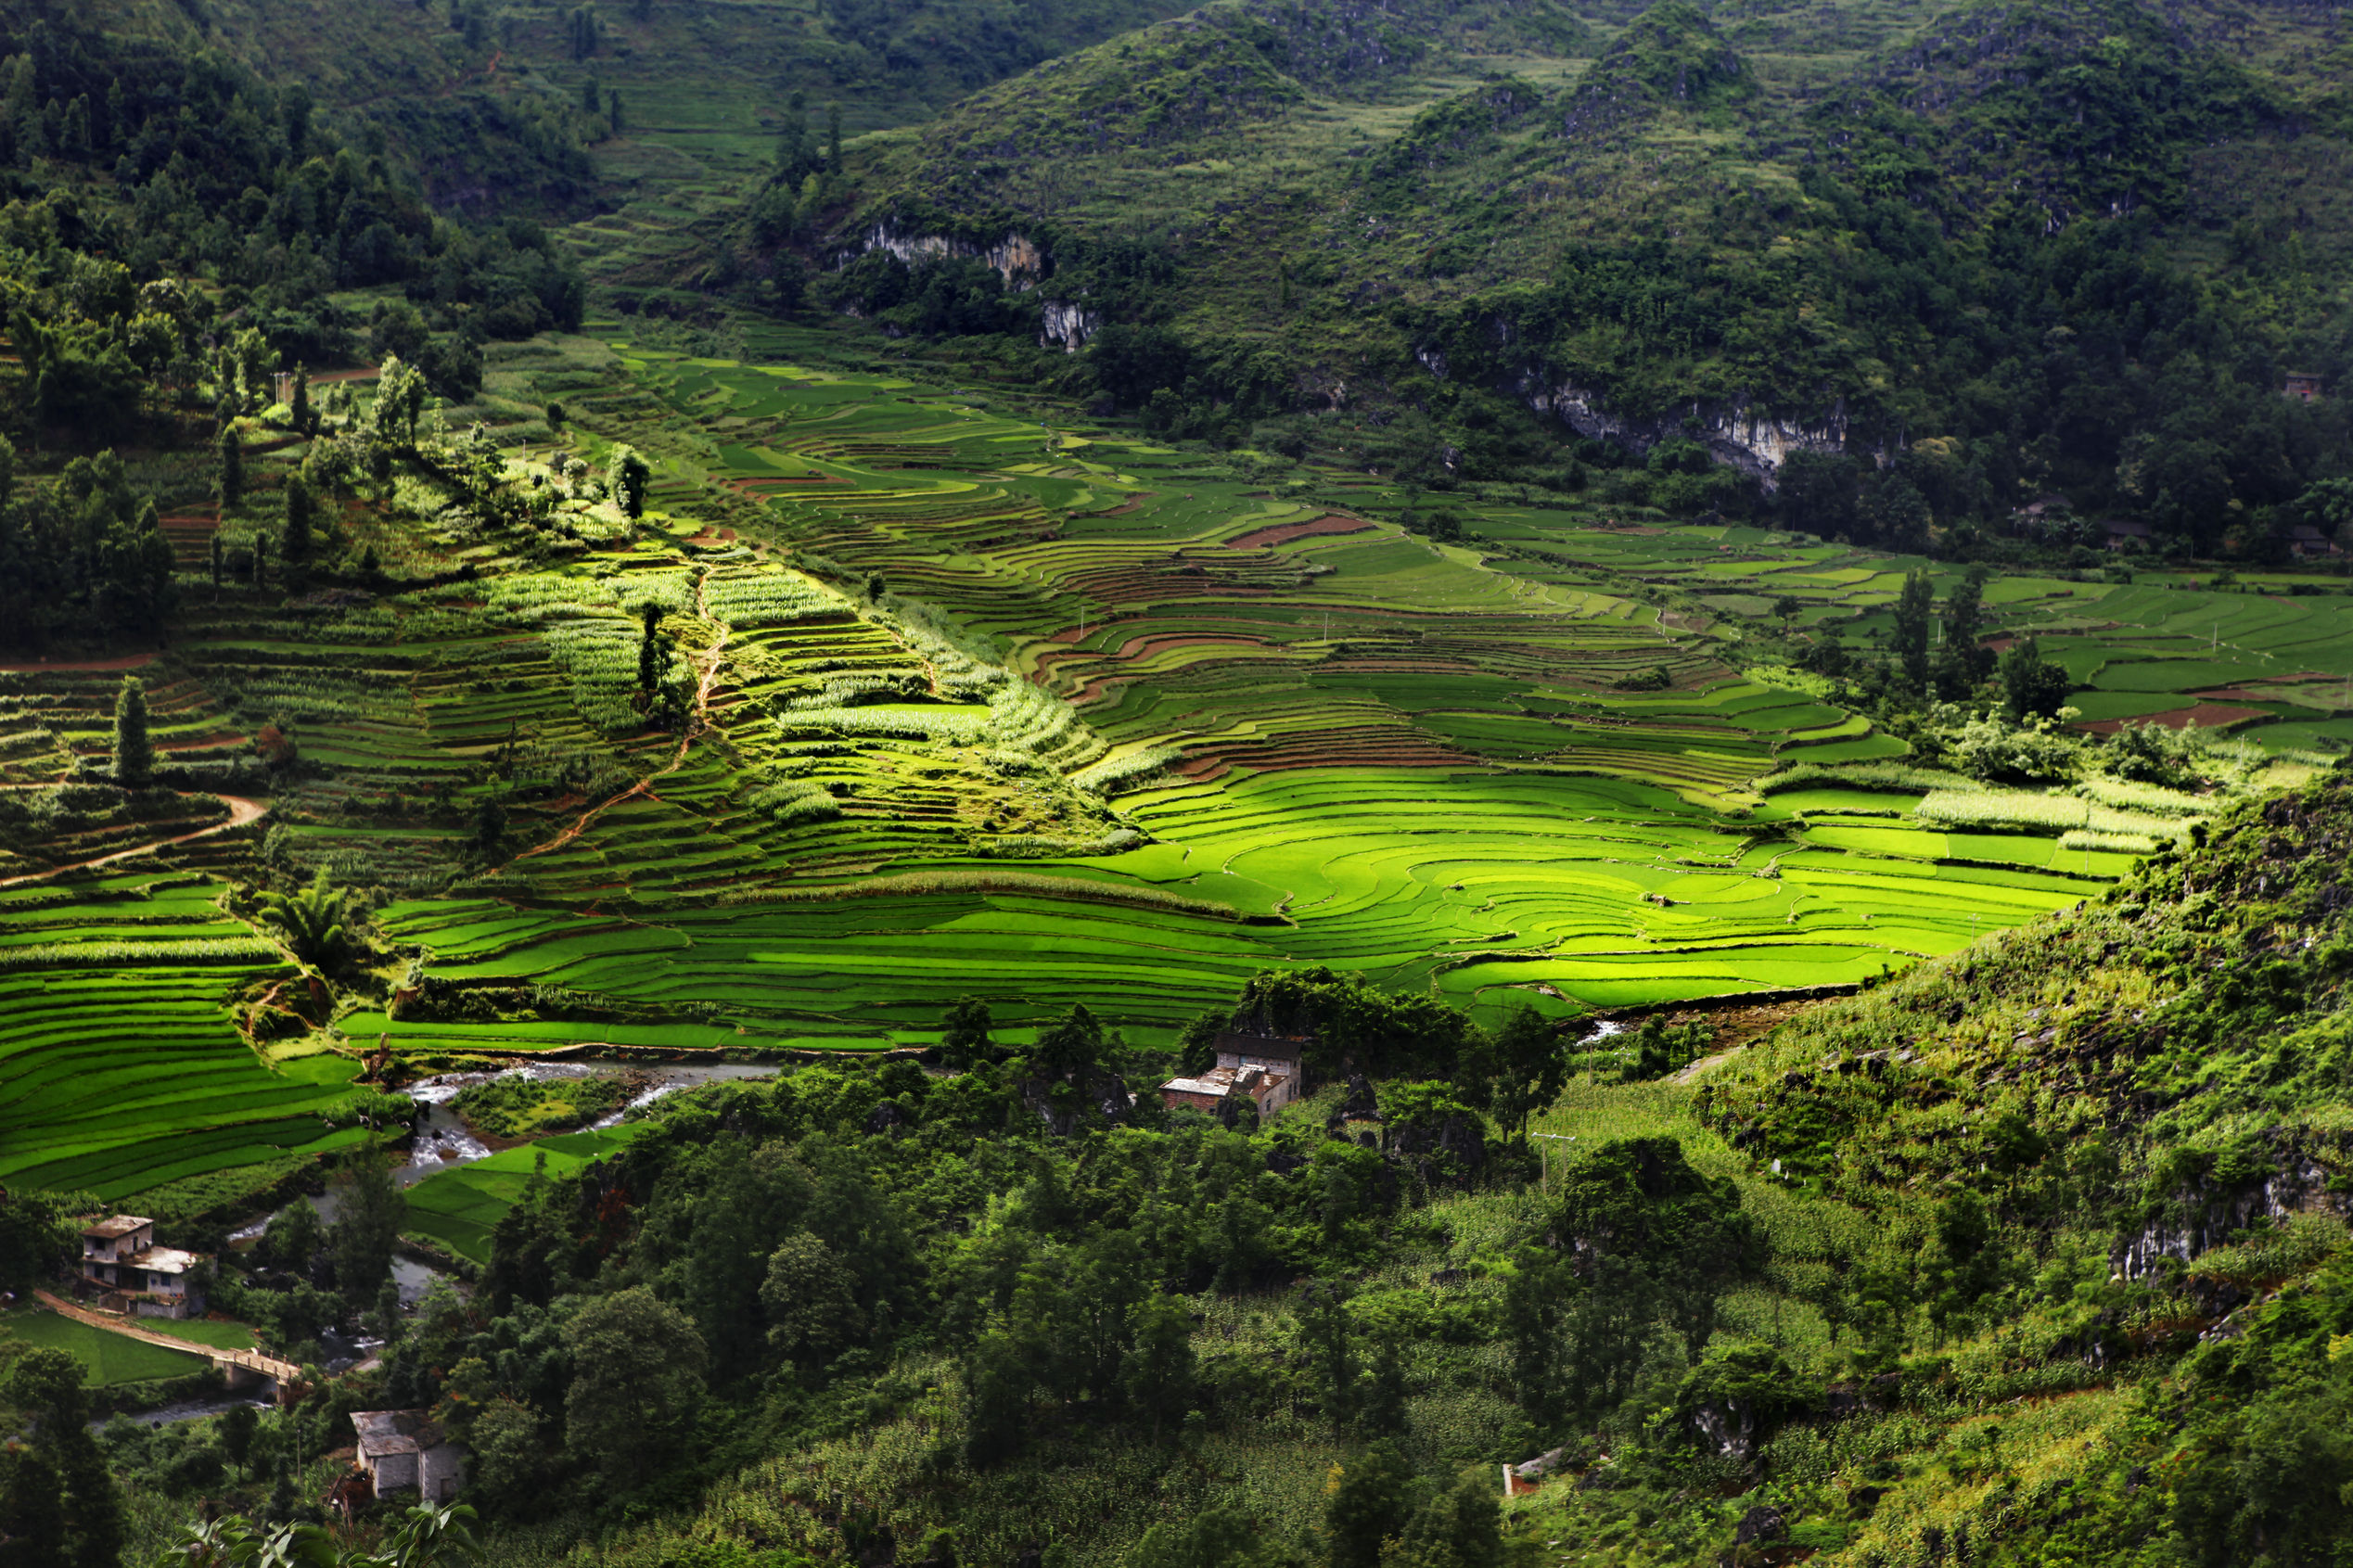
213 172
806 180
2086 363
776 1247
81 551
306 1277
60 1506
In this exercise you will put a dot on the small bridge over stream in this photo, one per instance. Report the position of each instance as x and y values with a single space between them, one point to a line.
243 1368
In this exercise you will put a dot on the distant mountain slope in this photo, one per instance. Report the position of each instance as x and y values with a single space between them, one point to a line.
2021 249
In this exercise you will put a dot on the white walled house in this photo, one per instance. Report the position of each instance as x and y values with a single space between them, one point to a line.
407 1451
119 1255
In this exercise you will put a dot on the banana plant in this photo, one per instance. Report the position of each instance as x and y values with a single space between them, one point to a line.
430 1536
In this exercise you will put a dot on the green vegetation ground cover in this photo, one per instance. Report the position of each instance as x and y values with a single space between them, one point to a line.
458 1209
108 1358
1970 1299
937 693
1249 706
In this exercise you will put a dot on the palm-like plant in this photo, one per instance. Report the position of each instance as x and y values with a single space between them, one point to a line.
312 920
433 1536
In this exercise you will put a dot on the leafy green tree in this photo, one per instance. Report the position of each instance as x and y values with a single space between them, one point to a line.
216 557
369 1218
510 1452
388 1322
1461 1527
229 471
1158 1376
489 837
1961 663
626 478
1367 1504
1786 610
133 752
297 539
313 921
1529 1068
1381 1408
400 401
293 1236
637 1380
304 419
1197 1044
1070 1045
2030 687
965 1038
238 1425
66 1461
1325 1330
812 1310
1899 514
653 649
1913 608
32 1509
38 1233
1654 1245
997 1385
1536 1293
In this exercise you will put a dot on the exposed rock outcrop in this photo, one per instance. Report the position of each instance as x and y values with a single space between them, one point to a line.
1068 325
1733 432
1016 258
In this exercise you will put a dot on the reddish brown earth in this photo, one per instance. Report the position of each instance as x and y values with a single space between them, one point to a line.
127 661
2205 715
1283 533
1385 746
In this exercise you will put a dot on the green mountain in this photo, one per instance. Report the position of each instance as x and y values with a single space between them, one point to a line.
1947 263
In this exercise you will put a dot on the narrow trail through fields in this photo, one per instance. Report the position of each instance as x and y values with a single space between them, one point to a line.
710 660
241 811
222 1356
59 667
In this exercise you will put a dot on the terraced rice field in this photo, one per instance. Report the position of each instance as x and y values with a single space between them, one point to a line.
459 1208
985 703
119 1067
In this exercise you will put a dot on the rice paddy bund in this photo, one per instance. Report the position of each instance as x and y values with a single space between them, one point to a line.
983 701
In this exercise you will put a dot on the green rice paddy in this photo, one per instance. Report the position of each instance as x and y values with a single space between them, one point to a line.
1126 726
106 1358
458 1209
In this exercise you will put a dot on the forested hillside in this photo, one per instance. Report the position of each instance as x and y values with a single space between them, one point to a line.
1877 275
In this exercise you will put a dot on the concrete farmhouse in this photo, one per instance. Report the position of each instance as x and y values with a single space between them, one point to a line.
1265 1070
120 1257
407 1451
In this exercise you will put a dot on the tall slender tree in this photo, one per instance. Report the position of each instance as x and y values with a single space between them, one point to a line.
1914 605
230 478
133 753
297 542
